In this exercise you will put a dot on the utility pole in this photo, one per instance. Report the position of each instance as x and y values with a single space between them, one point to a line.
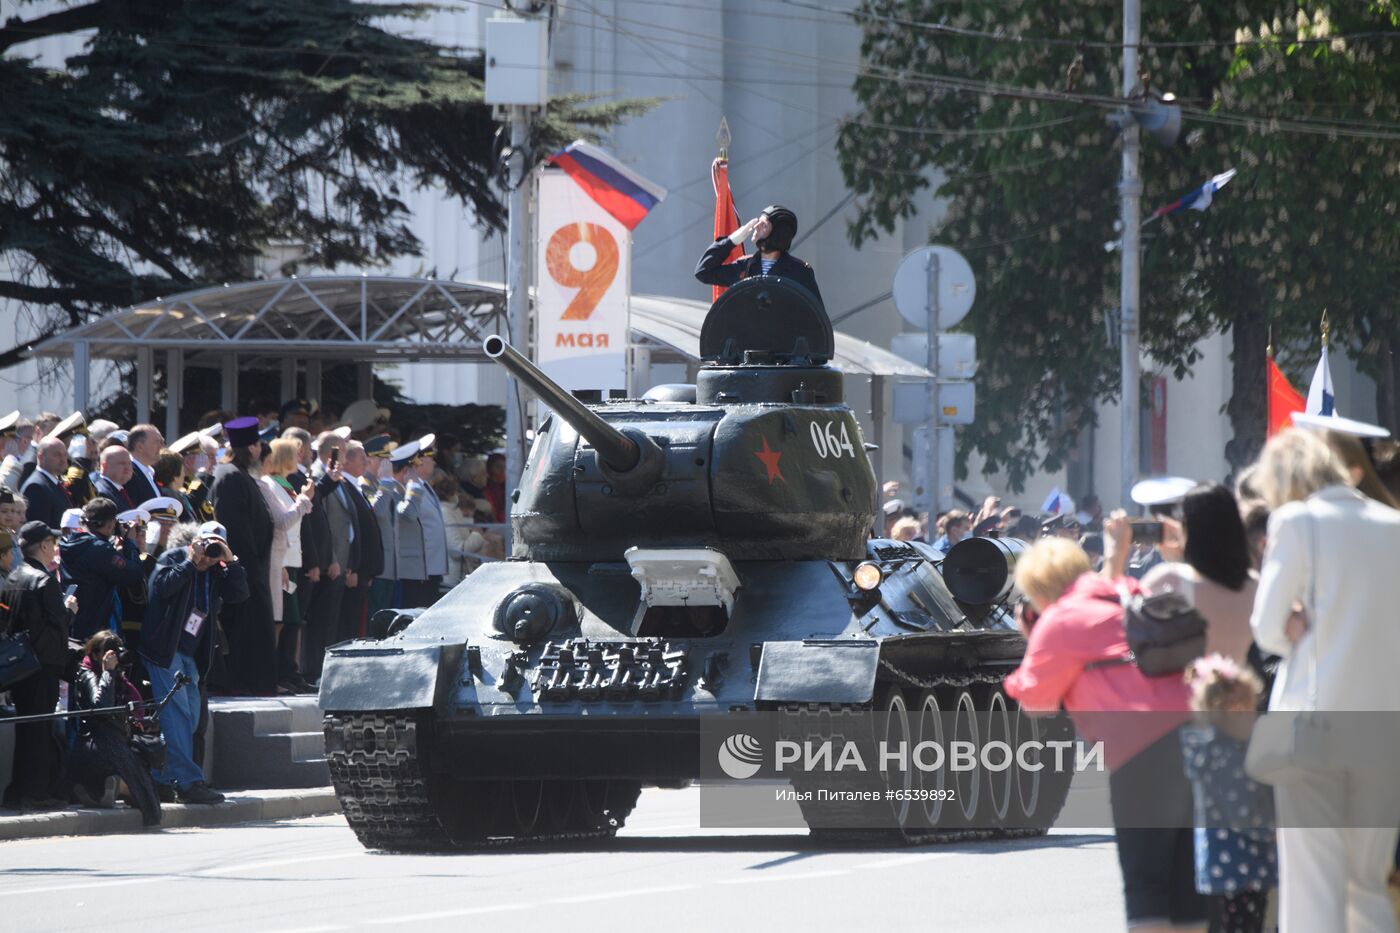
517 85
1130 196
517 294
935 437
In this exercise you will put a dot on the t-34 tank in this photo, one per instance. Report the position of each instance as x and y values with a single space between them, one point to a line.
700 551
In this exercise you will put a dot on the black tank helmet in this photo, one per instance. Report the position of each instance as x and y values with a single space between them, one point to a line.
784 230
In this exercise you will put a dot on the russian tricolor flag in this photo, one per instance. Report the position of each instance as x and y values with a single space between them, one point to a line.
1321 398
1199 199
618 190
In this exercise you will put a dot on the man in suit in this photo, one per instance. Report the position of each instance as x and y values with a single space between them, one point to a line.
326 623
145 443
773 232
44 491
29 459
115 473
371 546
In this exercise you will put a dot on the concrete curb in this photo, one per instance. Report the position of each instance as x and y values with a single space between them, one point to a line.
242 806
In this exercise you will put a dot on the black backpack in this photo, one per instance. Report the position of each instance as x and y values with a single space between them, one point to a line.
1164 631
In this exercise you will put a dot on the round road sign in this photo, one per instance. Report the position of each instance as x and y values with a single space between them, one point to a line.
956 286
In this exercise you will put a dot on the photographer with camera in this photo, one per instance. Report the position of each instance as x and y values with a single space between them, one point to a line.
189 586
103 749
100 560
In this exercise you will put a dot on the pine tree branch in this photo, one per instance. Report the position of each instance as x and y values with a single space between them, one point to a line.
20 352
39 294
17 31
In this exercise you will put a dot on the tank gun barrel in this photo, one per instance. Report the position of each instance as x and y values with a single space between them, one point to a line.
614 448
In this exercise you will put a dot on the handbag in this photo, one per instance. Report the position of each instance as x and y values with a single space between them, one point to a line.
1287 745
1164 631
17 657
149 749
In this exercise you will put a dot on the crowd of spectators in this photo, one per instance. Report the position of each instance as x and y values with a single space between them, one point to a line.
1290 574
223 562
1060 518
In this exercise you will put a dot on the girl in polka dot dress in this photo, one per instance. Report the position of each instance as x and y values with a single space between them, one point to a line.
1236 862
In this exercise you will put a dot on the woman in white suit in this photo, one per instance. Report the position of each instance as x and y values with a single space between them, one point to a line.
1330 550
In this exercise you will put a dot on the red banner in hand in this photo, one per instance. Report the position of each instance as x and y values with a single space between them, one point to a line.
726 215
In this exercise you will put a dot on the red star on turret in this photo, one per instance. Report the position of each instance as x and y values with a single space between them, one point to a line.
770 460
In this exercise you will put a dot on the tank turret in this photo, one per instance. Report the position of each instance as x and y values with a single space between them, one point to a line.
768 462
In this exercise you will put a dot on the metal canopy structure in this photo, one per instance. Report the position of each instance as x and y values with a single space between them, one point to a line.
287 325
370 318
295 325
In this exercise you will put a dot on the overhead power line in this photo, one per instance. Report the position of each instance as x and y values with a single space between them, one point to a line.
1079 42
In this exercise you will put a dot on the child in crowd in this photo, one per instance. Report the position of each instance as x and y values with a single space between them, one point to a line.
1236 861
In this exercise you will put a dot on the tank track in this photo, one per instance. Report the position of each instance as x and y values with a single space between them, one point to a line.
857 816
393 800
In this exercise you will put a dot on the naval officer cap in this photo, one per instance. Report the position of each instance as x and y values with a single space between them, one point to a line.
189 443
1161 490
380 446
1339 424
404 454
134 515
75 423
425 445
10 423
163 508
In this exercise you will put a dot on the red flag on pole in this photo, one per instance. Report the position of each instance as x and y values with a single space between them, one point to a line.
726 214
1284 400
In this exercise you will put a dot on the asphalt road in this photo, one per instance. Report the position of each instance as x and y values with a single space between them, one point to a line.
661 873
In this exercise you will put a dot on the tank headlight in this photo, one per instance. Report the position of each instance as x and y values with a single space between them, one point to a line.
868 576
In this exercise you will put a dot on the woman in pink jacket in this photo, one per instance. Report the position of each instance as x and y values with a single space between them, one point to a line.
1075 652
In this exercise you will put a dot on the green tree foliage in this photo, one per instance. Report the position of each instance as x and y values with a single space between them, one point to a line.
183 137
1014 136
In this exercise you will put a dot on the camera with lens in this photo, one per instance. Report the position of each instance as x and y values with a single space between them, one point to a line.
214 550
125 659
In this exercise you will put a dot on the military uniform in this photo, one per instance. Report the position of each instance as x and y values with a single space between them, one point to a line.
197 493
410 559
79 484
9 467
380 492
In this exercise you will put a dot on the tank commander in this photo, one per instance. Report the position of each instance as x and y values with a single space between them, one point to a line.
772 231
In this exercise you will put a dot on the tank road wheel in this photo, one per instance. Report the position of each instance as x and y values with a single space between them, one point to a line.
590 811
928 726
526 807
1027 797
560 801
966 784
999 784
896 734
